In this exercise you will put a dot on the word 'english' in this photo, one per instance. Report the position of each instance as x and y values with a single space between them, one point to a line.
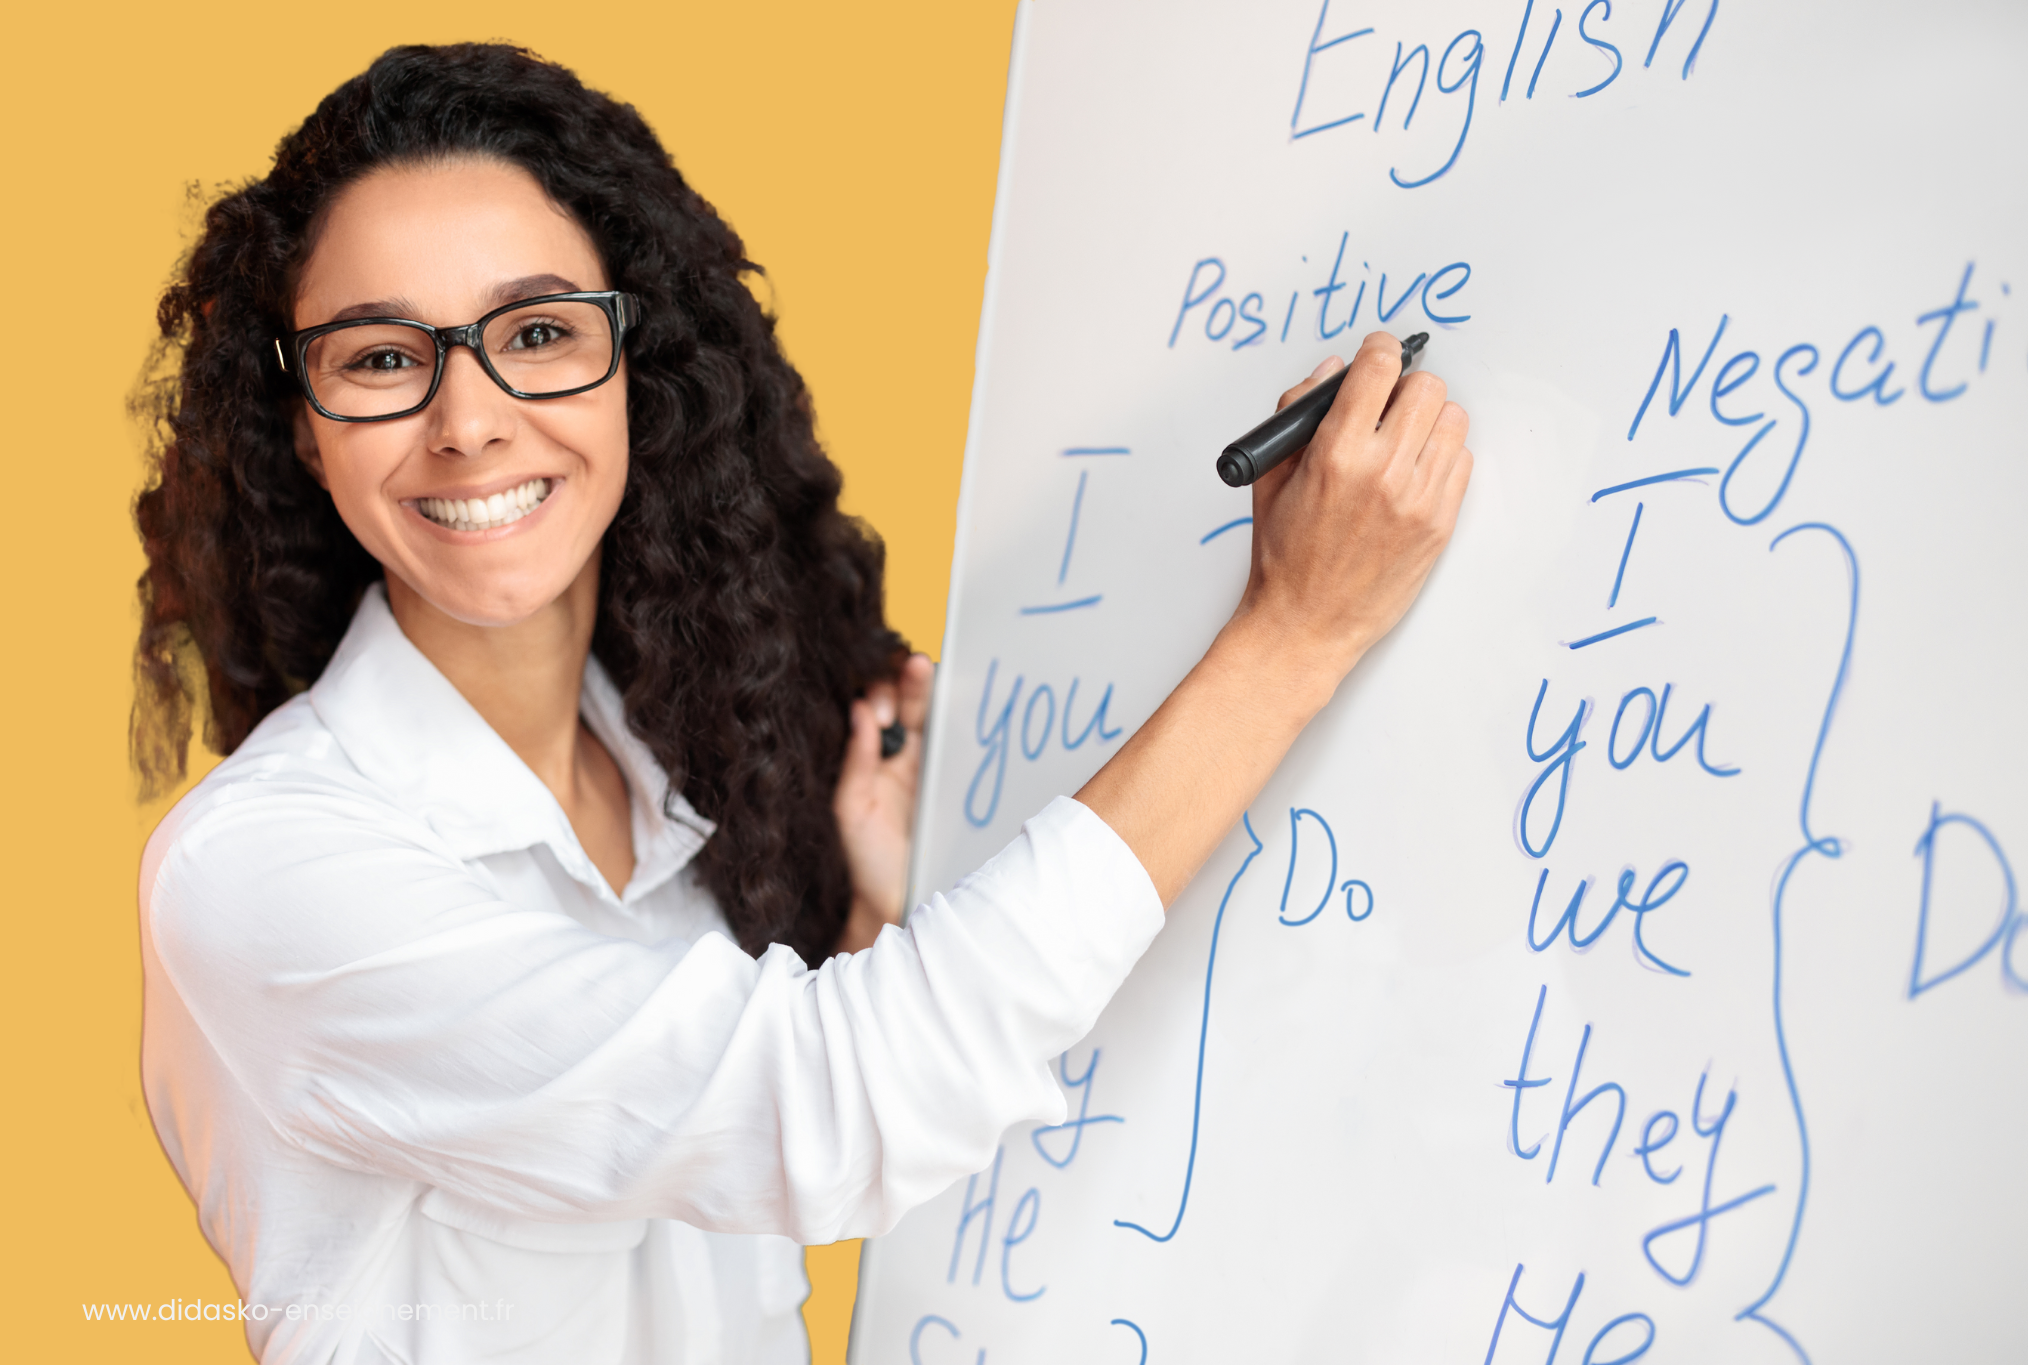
1349 78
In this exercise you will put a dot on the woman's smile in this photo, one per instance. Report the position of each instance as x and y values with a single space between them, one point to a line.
484 512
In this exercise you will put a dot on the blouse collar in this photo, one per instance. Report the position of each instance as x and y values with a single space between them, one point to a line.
410 732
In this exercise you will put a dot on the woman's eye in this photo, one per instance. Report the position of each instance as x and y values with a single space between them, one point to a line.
382 361
534 335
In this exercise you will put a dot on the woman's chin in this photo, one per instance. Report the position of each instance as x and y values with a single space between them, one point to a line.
491 604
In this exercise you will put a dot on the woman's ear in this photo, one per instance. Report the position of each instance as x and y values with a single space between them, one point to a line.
306 443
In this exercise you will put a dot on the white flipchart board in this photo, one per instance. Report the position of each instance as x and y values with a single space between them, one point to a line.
1727 290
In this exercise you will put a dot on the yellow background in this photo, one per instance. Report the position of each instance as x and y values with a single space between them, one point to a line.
853 145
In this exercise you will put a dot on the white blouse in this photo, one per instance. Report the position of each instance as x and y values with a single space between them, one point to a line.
440 1095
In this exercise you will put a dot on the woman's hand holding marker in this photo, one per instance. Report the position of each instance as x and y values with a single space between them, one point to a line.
1344 536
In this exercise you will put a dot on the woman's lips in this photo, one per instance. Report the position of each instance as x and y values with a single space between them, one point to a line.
488 513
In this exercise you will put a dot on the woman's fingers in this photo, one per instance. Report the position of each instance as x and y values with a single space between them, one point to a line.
1343 541
1268 485
1346 441
1442 447
1455 481
913 691
1411 420
902 703
900 708
884 699
1364 397
1327 367
862 745
875 799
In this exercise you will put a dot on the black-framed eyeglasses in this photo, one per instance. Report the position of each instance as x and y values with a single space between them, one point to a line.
377 369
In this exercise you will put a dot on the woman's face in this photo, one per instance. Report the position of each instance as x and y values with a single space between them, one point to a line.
445 245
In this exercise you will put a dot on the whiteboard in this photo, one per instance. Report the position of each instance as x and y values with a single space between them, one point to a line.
1629 963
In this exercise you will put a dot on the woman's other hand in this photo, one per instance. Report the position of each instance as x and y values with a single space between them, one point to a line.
875 801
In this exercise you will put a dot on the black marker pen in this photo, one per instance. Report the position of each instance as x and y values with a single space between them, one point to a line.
1289 430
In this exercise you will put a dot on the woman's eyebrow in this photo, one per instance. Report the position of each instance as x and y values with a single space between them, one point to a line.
532 286
378 308
512 291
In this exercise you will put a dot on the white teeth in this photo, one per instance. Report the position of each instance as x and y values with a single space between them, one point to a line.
488 513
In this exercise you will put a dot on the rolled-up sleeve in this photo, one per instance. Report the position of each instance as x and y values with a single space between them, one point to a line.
387 1010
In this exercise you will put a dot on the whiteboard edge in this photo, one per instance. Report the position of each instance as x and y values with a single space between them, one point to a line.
940 698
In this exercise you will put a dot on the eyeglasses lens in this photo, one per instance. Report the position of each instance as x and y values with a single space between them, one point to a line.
551 347
370 371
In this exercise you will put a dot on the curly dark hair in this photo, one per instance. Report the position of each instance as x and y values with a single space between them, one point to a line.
740 611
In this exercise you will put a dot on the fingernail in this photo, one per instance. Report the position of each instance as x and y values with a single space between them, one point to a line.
1329 363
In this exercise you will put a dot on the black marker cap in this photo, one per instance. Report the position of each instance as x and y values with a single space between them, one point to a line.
1289 430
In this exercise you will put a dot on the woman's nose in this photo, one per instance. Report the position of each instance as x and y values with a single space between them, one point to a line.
470 411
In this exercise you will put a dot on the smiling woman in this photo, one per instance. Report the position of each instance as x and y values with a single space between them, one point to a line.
528 981
397 202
